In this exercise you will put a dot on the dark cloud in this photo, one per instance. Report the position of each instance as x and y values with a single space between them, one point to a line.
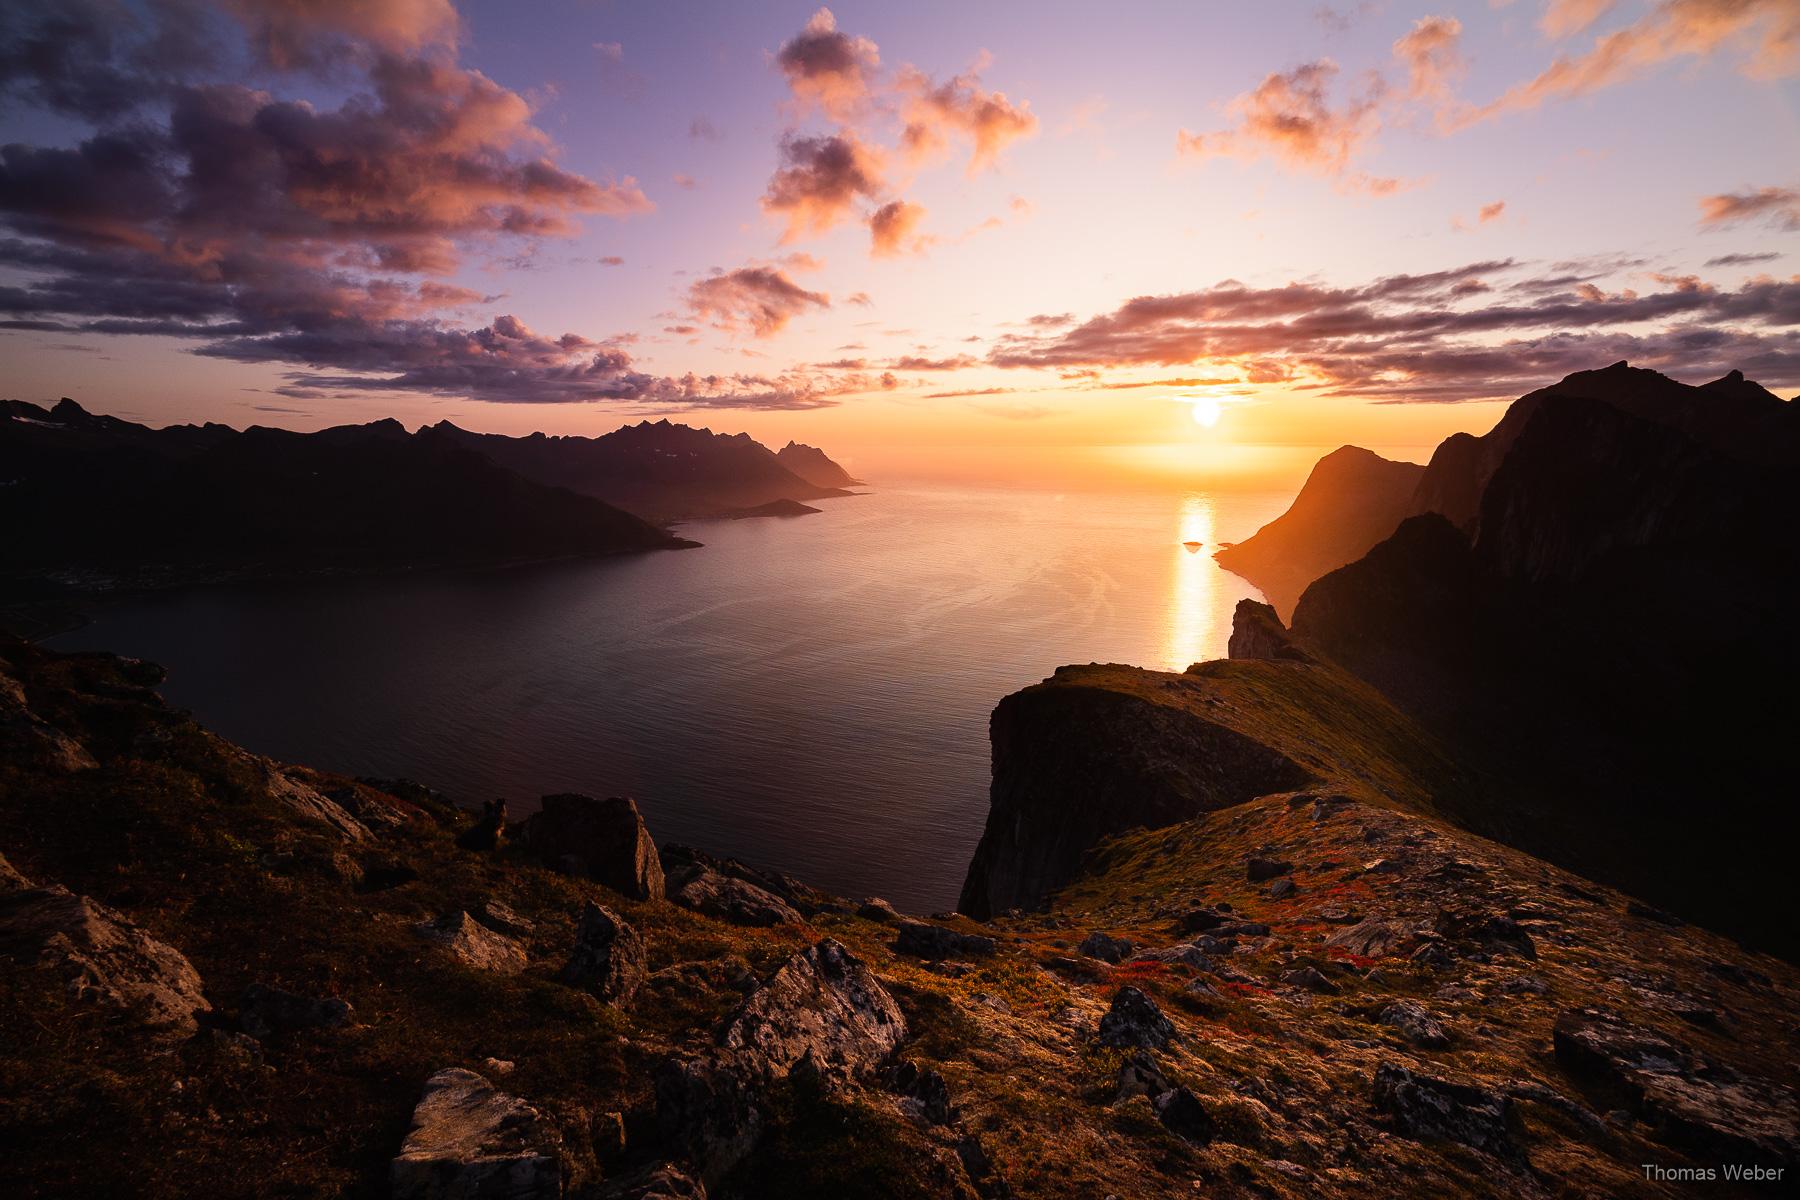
829 68
1421 337
820 181
956 362
759 297
1742 260
701 129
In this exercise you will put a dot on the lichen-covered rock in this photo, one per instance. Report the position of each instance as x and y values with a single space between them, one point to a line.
603 840
102 957
608 959
1424 1109
1182 1114
305 801
1374 937
1415 1024
1135 1021
731 899
474 944
922 939
823 1011
470 1141
1105 947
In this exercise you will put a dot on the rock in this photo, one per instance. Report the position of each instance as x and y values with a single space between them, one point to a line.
306 801
1182 1115
1199 920
1492 932
1434 954
607 1130
1424 1109
923 1093
1689 1103
925 940
264 1011
10 879
1645 912
498 1066
1310 979
1372 938
471 1142
731 899
665 1182
1256 632
877 909
102 957
1140 1076
1134 1020
489 830
1260 869
1281 889
823 1008
503 920
608 957
1105 948
1414 1024
603 840
474 944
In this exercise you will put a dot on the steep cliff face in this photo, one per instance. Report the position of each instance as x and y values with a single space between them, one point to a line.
1075 763
815 466
1352 499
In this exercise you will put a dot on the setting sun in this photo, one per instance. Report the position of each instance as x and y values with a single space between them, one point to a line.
1206 411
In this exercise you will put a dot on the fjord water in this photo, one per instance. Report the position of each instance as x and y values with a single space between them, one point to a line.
808 694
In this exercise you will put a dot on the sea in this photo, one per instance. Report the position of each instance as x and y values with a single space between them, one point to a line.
809 694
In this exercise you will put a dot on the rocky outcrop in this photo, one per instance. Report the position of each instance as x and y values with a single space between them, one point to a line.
823 1011
469 1140
102 957
813 465
603 840
608 959
1134 1020
308 802
731 899
1075 763
1426 1108
1352 499
1256 632
474 944
1687 1101
923 939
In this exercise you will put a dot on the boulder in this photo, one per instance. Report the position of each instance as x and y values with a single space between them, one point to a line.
731 899
503 920
474 944
264 1011
1261 869
923 1093
1140 1076
925 940
603 840
470 1141
489 830
1309 978
1373 937
877 909
1182 1115
1697 1106
305 801
608 958
1135 1021
1414 1024
1427 1109
822 1011
1105 947
1281 889
102 957
664 1182
1492 932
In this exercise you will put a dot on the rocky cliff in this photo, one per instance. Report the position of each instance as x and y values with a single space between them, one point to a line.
225 976
815 466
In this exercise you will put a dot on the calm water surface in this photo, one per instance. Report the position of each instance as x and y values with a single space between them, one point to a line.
807 694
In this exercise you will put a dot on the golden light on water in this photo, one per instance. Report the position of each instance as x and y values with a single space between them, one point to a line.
1192 586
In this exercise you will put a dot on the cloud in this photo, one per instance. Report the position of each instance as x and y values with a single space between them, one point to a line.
610 260
1291 117
956 362
829 69
611 51
1742 260
1491 212
1565 18
761 297
1432 55
1779 206
860 299
1431 336
1765 32
960 108
308 33
703 130
891 230
820 181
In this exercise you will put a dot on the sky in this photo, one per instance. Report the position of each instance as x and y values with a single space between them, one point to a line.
1180 243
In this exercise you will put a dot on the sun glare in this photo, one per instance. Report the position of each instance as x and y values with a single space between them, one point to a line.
1206 411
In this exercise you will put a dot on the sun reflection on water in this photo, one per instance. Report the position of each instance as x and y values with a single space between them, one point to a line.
1194 582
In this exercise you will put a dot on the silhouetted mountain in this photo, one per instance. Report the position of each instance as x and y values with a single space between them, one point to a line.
1352 499
811 464
111 501
659 470
1338 516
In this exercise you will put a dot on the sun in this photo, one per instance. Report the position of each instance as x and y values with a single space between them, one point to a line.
1206 411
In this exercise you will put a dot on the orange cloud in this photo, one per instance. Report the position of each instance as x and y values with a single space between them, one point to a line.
1290 117
1432 55
1564 18
761 297
1491 212
821 180
309 33
829 69
891 230
961 107
1779 205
